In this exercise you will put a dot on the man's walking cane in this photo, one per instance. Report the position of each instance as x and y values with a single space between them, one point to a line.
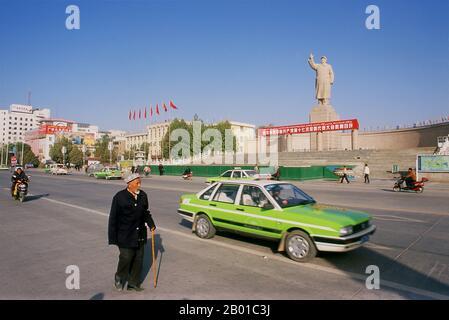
154 258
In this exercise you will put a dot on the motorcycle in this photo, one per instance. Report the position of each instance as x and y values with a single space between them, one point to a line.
187 176
418 186
21 190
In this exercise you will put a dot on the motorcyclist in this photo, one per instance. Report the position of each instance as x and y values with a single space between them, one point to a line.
187 173
410 178
18 175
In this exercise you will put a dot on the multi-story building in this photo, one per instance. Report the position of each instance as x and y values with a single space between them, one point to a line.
156 134
18 120
42 138
135 140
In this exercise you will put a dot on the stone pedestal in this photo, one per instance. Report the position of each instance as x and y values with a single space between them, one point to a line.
328 140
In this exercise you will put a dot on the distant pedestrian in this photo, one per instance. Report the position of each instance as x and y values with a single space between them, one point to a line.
366 173
256 168
133 169
161 169
345 175
128 220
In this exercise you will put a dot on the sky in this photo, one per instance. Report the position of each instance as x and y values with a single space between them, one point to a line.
241 60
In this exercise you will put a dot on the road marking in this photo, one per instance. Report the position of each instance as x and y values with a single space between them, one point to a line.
378 246
396 218
418 239
353 275
437 213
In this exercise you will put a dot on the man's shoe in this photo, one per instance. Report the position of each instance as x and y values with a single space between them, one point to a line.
118 284
135 288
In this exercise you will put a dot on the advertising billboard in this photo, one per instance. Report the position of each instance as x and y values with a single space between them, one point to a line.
89 139
433 163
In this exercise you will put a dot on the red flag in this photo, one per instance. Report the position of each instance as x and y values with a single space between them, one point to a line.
129 116
139 114
145 113
165 107
173 105
134 115
151 111
157 108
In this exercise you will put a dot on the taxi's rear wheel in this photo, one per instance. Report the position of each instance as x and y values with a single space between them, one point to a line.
299 246
204 227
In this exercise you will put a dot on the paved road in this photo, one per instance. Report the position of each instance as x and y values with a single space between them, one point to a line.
64 223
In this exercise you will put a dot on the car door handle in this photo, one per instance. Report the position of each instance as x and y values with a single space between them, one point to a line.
212 204
240 209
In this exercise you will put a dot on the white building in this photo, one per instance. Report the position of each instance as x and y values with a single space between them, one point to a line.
245 135
83 128
114 134
135 140
18 120
156 134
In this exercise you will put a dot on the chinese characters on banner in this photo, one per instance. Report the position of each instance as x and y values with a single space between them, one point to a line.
337 125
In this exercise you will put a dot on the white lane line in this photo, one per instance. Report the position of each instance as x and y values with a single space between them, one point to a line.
418 239
357 276
437 213
396 218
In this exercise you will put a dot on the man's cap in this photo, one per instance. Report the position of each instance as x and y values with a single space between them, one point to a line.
132 177
19 167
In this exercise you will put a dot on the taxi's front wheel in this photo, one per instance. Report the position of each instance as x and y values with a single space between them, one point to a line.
204 227
299 246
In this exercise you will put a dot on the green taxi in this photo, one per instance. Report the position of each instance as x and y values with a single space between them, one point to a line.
238 174
108 173
277 211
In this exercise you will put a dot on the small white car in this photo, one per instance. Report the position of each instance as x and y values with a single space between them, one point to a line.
58 169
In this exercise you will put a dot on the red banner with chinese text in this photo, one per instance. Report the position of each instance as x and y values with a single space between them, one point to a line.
336 125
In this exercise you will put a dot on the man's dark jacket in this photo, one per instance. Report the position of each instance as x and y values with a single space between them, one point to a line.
16 176
127 219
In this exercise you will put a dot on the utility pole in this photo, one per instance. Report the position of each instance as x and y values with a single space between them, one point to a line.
23 145
110 147
63 150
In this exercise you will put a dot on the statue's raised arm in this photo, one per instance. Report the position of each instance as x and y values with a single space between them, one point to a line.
312 62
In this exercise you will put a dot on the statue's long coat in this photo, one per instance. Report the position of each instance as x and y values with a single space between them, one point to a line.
324 78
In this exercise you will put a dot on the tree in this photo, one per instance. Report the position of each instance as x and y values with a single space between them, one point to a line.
56 150
76 156
181 124
102 152
28 155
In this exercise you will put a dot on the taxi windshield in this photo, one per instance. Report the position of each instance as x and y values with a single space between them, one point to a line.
288 195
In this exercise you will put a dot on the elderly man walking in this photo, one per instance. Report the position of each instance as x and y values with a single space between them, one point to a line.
128 221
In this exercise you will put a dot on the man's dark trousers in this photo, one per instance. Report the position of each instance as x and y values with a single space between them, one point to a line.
130 265
344 177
